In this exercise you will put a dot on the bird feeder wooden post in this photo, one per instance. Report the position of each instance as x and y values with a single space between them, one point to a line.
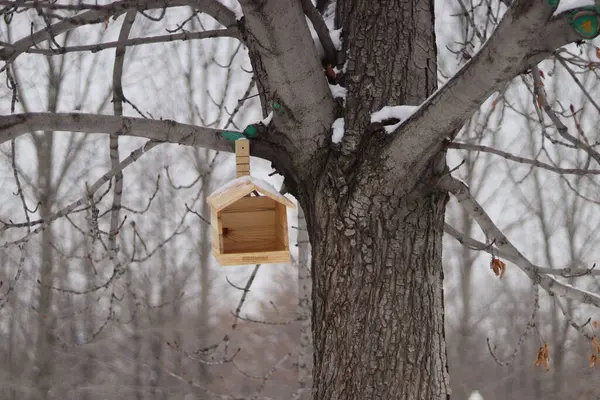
242 157
248 229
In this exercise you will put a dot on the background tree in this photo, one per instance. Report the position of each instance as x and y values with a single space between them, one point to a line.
374 193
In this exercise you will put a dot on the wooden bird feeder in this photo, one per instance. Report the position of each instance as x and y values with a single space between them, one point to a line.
248 218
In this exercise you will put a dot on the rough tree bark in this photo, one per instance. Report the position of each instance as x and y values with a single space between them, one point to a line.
378 322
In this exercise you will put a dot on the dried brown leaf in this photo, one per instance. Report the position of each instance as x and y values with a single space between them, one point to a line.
596 344
498 267
543 357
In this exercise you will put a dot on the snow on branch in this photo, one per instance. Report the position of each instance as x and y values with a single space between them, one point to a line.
396 114
567 5
526 35
500 241
167 131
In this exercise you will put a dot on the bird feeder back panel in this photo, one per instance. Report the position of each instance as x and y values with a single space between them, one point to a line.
251 230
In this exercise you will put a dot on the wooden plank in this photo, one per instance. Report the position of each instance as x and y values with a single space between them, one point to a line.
278 199
249 247
242 160
248 219
228 197
217 241
251 204
242 147
281 222
265 257
242 170
242 157
214 221
260 238
215 249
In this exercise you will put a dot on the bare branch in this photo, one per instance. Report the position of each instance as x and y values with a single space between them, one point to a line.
212 7
113 144
586 93
495 236
560 127
94 48
168 131
525 36
297 83
535 163
135 155
476 245
530 324
570 321
246 289
322 31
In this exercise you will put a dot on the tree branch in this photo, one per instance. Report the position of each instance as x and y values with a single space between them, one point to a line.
167 131
113 143
133 157
497 238
287 67
512 157
211 7
321 28
94 48
525 36
562 129
474 244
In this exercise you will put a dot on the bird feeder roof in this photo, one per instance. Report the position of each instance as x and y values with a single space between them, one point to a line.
236 189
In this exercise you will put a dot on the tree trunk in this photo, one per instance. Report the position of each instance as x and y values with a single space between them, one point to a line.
304 307
375 226
378 322
378 316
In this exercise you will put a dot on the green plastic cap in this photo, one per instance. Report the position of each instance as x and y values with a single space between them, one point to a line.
585 23
250 131
232 136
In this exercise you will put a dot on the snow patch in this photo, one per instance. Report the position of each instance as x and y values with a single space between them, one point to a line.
475 395
567 5
338 92
236 8
336 38
343 69
329 15
338 130
335 34
268 119
261 185
315 37
388 112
